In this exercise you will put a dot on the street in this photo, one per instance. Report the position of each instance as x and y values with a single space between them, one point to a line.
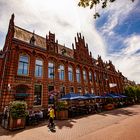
119 124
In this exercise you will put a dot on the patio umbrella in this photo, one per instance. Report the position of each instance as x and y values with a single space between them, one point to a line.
113 95
91 96
73 96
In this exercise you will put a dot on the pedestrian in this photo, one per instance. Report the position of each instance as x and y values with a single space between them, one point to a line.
51 116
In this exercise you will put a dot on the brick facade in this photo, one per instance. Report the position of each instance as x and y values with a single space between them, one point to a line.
19 41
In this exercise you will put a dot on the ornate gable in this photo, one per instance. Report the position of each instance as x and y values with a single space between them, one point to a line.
81 53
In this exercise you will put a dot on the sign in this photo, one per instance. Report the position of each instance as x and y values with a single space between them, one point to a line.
112 85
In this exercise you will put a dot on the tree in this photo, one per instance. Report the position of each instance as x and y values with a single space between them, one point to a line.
94 3
133 93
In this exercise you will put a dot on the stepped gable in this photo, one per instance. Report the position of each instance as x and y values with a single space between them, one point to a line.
81 53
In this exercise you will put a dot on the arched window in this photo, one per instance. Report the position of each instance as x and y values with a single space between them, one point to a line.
23 65
51 73
61 72
95 76
70 73
78 75
38 68
90 77
84 76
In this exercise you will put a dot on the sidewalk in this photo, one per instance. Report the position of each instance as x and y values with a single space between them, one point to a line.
109 125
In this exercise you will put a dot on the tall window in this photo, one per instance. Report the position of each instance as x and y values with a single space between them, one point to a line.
90 77
38 68
62 91
70 73
71 89
23 65
79 90
78 75
84 76
51 70
61 72
37 94
95 76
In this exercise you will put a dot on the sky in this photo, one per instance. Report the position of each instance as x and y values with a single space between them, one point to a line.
114 36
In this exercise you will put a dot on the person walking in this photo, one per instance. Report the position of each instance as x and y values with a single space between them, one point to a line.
51 117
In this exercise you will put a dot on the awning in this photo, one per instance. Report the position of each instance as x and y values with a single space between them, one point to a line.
73 96
121 95
21 94
91 96
105 96
113 95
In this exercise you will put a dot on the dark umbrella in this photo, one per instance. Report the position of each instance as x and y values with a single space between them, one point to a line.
91 96
73 96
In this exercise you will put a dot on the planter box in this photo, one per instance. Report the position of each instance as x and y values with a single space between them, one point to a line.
15 124
109 107
62 115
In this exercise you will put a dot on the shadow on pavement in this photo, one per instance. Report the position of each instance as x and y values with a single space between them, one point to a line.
118 112
70 122
65 123
59 123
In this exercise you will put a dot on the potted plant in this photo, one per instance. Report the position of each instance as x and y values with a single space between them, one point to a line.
61 110
18 114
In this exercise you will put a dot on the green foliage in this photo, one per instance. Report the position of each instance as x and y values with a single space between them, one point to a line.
94 3
61 105
133 93
18 109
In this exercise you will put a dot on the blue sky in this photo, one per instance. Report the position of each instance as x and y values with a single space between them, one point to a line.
115 35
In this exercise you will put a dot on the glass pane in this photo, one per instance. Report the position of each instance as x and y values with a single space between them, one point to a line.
61 75
39 62
20 68
51 70
23 65
50 73
38 71
24 58
51 65
78 75
90 76
37 94
25 69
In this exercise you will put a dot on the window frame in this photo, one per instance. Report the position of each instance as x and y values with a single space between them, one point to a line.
78 75
61 72
39 66
23 65
41 98
51 70
70 73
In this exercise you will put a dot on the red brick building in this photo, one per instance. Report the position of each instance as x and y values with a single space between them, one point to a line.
31 66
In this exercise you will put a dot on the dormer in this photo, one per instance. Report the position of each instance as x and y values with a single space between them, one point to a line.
32 40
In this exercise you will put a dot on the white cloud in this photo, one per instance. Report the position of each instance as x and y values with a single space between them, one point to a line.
63 18
117 13
127 61
133 45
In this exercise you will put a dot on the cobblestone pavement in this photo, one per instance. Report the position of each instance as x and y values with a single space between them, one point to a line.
119 124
